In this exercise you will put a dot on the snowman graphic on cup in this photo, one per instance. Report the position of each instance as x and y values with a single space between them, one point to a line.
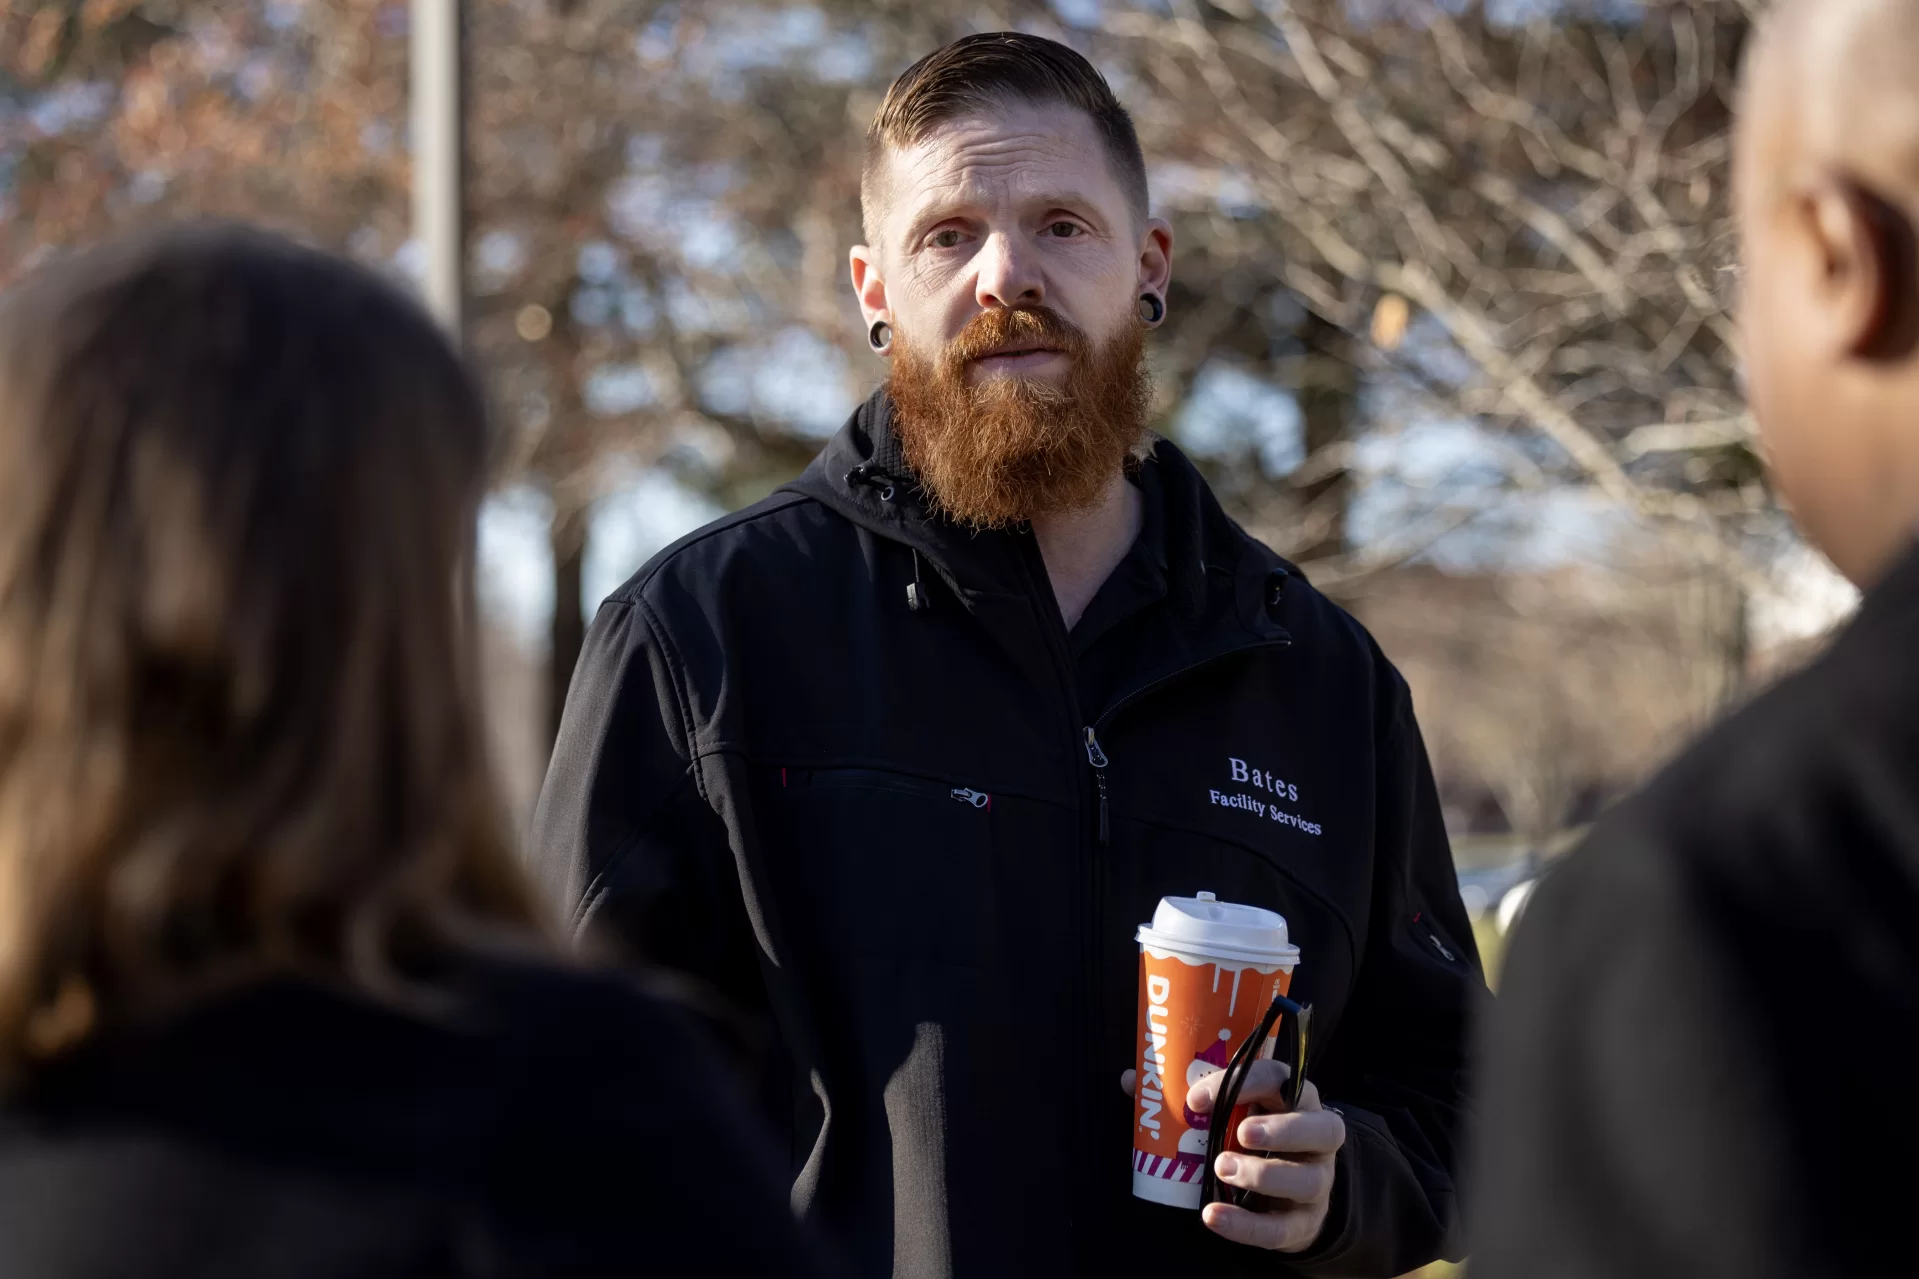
1192 1142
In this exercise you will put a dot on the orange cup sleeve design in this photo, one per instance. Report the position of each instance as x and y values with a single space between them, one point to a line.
1193 1015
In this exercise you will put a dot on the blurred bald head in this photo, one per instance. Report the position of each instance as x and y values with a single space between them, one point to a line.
1833 81
1827 177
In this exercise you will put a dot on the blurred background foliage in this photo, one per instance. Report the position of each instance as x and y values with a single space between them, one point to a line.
1449 322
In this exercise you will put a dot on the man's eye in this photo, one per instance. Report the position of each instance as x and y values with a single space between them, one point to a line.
948 239
1065 230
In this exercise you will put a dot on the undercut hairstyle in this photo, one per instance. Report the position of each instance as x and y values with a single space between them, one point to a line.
981 73
238 730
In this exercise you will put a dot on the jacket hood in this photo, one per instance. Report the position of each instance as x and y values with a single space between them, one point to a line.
863 475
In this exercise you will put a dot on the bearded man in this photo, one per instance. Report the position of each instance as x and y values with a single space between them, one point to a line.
900 758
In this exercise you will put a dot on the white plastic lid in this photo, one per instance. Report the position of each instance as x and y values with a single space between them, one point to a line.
1205 925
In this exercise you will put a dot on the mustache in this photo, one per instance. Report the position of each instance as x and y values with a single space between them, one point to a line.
991 454
994 330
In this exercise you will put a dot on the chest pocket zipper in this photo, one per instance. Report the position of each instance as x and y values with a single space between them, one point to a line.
881 779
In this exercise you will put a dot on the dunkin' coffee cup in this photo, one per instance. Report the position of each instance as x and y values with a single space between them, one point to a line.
1208 969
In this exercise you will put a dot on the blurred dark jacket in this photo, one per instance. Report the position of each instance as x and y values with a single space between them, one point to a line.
1700 1064
550 1123
842 760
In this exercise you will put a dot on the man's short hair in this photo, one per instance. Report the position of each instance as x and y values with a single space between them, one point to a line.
979 73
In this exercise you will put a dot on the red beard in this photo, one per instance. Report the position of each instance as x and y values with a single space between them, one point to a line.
1000 452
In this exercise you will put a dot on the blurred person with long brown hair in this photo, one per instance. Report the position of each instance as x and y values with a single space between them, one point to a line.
274 997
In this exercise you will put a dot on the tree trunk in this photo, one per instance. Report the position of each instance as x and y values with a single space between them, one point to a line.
567 537
1328 396
1730 640
1715 636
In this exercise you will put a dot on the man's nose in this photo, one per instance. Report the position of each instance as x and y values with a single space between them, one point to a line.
1009 275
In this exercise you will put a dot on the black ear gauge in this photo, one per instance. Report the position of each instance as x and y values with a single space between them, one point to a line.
1151 309
881 336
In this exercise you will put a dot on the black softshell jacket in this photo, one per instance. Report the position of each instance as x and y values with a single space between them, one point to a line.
1702 1067
288 1129
836 758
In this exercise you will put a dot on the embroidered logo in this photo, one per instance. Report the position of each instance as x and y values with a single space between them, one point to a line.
1273 789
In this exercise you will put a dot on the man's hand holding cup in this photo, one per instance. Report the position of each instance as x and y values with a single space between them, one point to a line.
1292 1176
1292 1173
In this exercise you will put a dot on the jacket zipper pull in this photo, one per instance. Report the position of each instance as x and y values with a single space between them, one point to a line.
1097 758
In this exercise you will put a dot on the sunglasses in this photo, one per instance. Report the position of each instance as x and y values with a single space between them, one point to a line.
1220 1137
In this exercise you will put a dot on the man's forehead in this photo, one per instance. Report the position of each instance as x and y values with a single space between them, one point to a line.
1023 149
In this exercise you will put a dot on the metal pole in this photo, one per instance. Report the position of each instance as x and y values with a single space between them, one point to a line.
437 155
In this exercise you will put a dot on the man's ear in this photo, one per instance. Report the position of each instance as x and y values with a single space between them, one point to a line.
1156 257
1870 282
868 284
